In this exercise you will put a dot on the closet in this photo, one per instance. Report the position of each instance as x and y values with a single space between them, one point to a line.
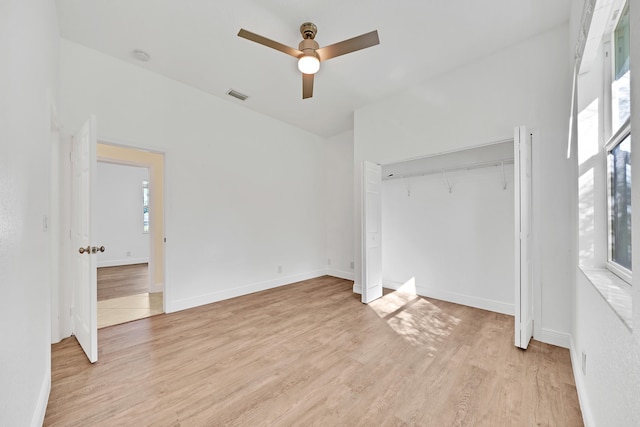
448 226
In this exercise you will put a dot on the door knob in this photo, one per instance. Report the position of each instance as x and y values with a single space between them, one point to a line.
92 249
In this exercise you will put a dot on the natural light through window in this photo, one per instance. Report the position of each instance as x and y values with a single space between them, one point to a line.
145 206
586 215
588 132
618 150
417 320
619 165
409 286
620 87
604 154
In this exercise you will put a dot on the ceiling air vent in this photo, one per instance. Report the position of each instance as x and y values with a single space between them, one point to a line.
236 94
141 55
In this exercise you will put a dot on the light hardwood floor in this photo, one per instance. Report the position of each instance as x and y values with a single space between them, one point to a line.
125 309
122 280
311 354
123 295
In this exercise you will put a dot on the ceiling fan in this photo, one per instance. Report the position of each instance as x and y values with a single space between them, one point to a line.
310 54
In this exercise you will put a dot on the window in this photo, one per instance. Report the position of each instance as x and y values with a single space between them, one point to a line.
618 151
604 155
619 188
145 206
620 87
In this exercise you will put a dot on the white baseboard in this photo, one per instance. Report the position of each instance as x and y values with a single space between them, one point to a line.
549 336
348 275
357 288
43 399
576 365
125 261
183 304
457 298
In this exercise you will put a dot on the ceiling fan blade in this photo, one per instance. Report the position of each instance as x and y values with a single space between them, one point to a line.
347 46
307 86
269 43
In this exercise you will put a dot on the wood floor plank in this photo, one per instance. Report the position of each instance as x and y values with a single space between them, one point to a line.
122 281
311 354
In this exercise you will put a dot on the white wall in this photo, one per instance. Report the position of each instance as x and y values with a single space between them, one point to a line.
610 388
339 207
244 193
29 49
454 246
118 218
527 84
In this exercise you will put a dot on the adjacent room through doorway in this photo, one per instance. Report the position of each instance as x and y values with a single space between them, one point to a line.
122 225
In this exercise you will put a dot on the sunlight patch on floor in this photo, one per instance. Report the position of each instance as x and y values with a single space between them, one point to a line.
413 317
391 302
125 309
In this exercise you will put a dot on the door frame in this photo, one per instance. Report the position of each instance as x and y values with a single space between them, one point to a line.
54 221
109 152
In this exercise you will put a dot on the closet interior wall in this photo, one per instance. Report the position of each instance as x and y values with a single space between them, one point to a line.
449 234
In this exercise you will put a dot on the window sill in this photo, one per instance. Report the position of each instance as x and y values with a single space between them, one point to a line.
615 291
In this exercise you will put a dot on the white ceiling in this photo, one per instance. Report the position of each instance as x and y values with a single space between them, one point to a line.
195 42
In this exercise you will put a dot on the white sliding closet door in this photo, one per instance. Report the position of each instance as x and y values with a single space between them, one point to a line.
523 306
371 232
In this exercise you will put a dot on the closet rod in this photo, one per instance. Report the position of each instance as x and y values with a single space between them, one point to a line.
458 168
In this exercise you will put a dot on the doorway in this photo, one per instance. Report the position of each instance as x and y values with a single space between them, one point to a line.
122 226
129 271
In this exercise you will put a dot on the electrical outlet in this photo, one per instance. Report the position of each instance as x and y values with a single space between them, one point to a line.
584 363
328 261
128 253
45 223
351 265
279 269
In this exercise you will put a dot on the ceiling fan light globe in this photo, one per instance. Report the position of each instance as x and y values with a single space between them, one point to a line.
308 64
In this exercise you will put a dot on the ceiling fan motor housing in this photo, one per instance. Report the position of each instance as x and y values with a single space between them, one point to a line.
308 30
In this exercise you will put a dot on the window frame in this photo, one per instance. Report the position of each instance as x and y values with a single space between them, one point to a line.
617 269
619 135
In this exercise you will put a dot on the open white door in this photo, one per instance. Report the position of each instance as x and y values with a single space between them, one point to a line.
84 259
523 306
371 222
